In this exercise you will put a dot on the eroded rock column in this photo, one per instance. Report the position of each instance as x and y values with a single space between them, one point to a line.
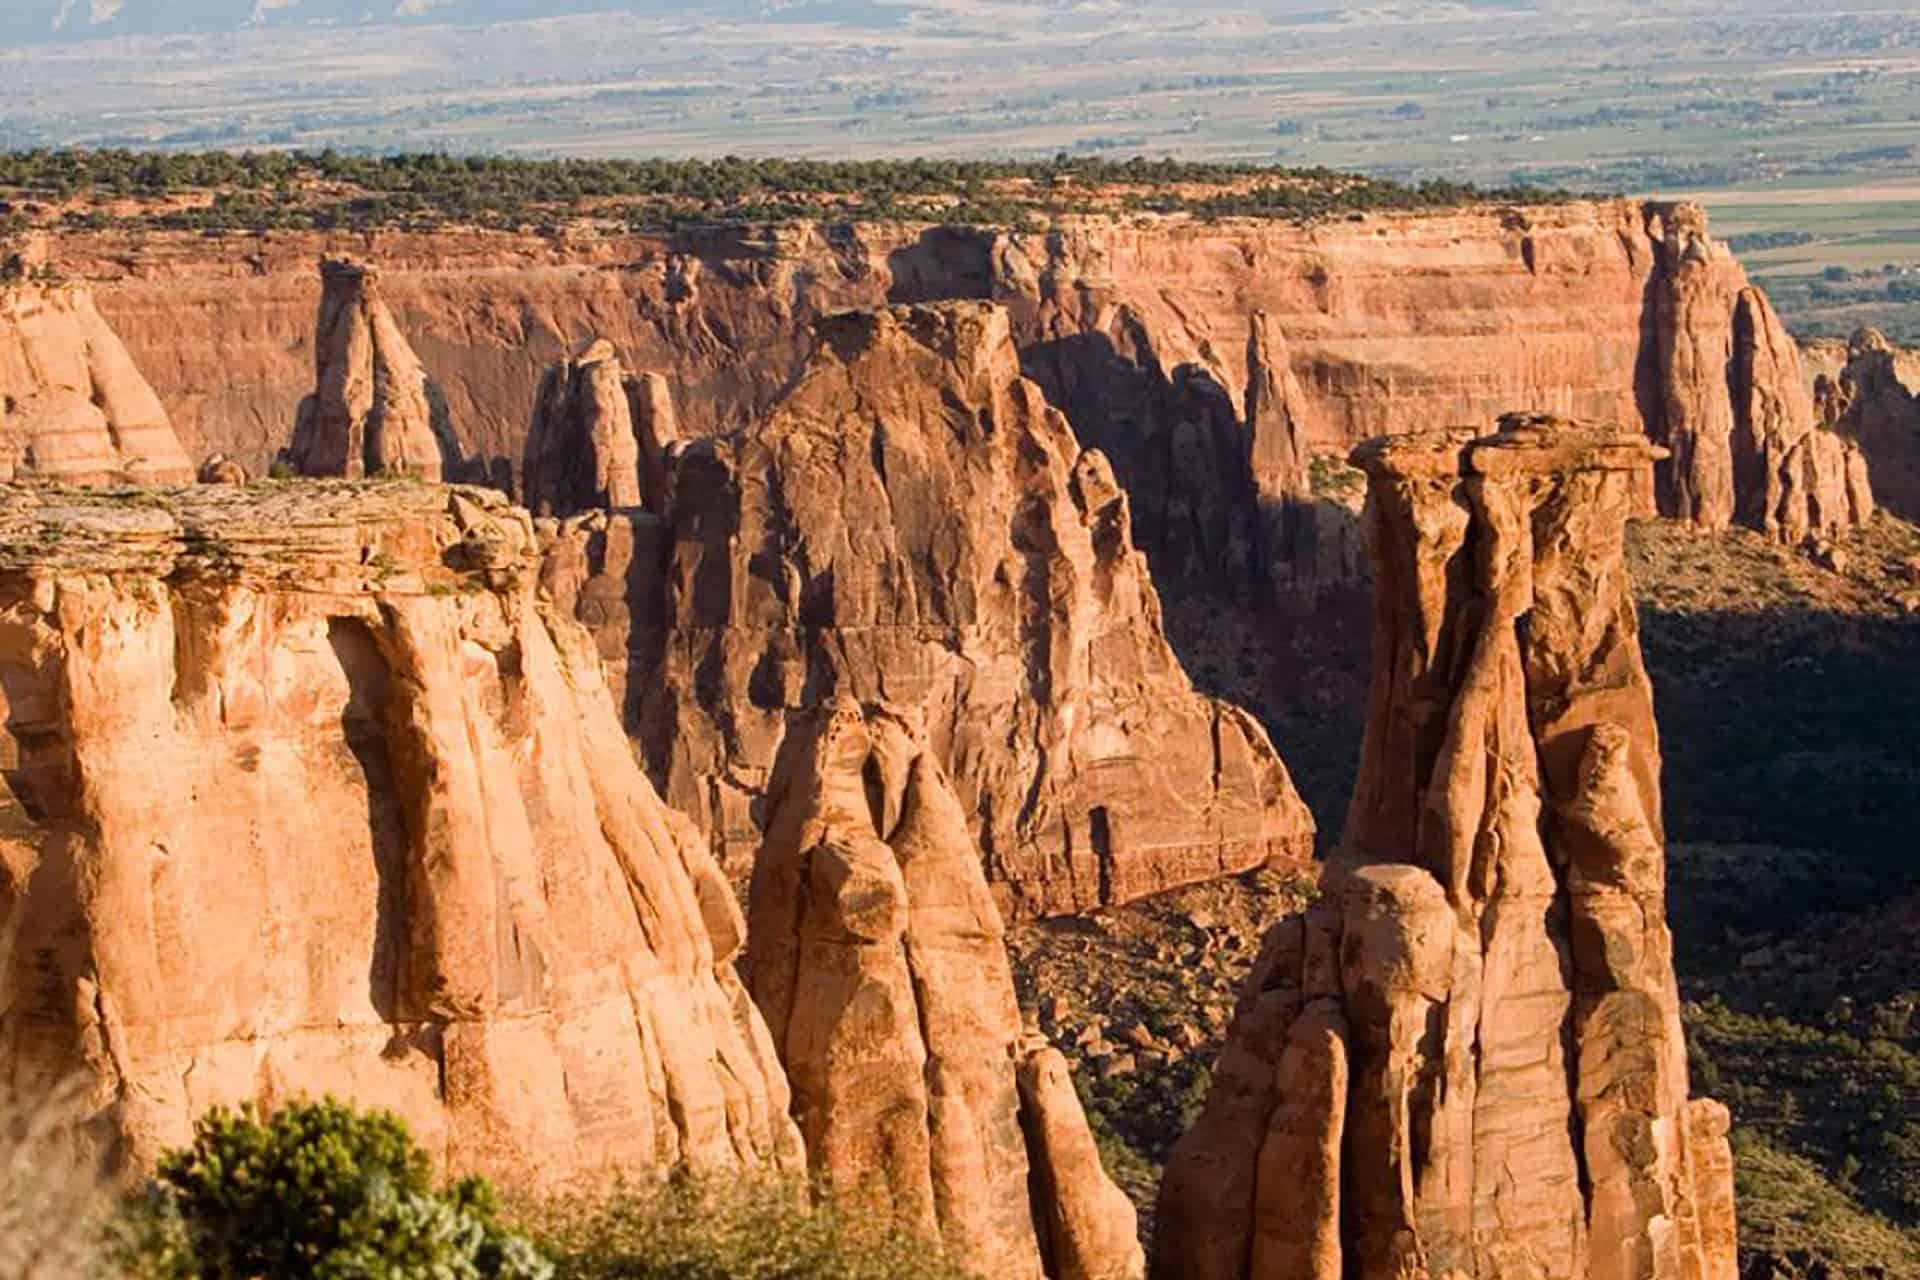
373 410
73 407
879 959
582 451
1466 1060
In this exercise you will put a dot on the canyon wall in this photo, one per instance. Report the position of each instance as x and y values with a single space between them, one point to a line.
914 524
305 793
1146 333
1465 1060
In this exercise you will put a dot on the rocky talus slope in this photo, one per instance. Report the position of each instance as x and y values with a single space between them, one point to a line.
1466 1059
305 792
73 408
1147 336
373 410
880 961
914 524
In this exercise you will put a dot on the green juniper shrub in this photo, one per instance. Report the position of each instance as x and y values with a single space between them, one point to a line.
317 1190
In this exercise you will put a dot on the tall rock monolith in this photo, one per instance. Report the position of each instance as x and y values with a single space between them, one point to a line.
1465 1061
582 452
373 410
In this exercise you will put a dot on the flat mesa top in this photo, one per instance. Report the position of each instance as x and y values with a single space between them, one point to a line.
270 529
1522 444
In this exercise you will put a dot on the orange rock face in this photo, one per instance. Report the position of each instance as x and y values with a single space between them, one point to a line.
914 524
73 408
879 959
306 793
1612 311
1466 1060
1796 477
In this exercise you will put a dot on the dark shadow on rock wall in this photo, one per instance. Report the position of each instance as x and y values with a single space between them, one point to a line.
945 264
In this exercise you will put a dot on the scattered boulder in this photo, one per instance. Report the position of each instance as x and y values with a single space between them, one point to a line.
1466 1058
220 469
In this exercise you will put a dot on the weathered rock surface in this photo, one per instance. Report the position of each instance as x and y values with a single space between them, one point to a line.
305 793
373 410
1466 1060
914 524
73 408
879 959
1875 399
582 452
1616 311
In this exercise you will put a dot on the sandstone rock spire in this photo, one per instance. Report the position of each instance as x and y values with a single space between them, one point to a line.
305 793
914 524
1875 399
373 410
1729 400
657 424
879 959
1794 478
1466 1060
73 408
581 451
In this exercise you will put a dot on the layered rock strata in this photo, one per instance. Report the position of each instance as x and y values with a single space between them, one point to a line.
1874 398
73 407
879 959
1617 311
582 451
304 793
373 410
914 524
1466 1060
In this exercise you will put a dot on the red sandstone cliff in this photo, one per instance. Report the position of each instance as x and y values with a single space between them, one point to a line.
304 792
1466 1059
73 407
914 524
1871 393
880 961
1612 311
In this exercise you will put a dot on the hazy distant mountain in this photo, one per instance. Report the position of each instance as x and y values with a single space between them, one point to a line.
31 20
